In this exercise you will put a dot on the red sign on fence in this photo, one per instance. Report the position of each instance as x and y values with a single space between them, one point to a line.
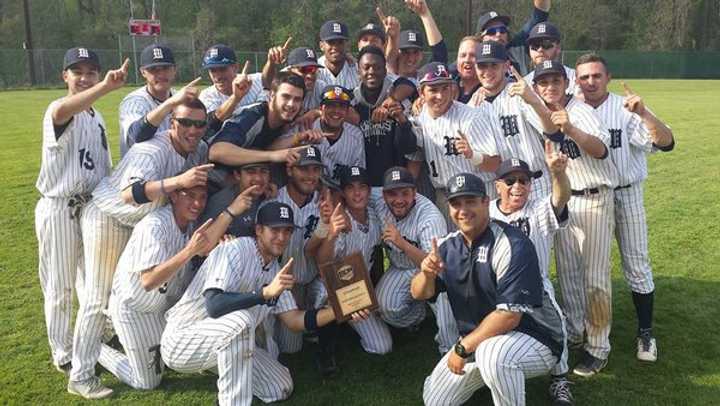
144 28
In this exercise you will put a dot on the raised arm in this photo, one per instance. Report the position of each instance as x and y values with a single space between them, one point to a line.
240 86
146 192
661 134
557 163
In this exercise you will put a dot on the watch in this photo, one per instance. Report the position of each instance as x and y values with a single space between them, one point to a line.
460 350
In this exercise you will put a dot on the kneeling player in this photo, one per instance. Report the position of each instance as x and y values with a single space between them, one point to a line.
238 286
510 331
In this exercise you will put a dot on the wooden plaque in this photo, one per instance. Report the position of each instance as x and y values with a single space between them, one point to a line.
349 286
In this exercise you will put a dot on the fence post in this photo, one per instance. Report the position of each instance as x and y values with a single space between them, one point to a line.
120 58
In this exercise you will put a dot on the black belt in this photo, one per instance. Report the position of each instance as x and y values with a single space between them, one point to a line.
586 192
623 187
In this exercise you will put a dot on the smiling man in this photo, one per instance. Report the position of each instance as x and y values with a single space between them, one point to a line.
334 38
544 44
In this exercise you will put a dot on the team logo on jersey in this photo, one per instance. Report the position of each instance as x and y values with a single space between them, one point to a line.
310 53
284 213
312 222
523 224
158 53
213 52
450 147
460 181
345 273
541 29
509 125
482 255
615 138
395 175
83 53
570 148
547 64
486 49
412 37
337 28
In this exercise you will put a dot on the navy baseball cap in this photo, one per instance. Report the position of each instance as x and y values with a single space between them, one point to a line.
410 39
489 17
336 94
398 177
275 214
490 52
156 55
310 156
330 183
254 165
80 54
511 165
217 56
353 174
333 29
303 56
372 29
434 73
465 184
547 68
544 31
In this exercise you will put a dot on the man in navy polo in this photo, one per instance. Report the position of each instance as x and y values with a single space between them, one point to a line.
509 329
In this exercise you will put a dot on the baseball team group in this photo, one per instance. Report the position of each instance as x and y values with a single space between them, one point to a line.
199 250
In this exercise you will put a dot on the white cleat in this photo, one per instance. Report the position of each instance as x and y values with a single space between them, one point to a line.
646 349
89 389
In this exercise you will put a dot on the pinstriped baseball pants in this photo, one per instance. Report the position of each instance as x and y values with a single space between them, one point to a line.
632 236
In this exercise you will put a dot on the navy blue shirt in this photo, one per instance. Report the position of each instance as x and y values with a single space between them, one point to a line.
498 271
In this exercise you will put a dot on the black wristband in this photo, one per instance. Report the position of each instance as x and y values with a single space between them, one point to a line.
229 213
555 137
311 324
138 193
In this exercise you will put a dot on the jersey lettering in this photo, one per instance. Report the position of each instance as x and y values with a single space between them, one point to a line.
523 224
85 160
310 226
450 148
433 170
509 125
570 148
615 138
103 138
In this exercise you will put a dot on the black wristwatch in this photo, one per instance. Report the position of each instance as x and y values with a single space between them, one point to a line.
460 350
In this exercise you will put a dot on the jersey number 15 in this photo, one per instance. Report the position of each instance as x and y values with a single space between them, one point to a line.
85 160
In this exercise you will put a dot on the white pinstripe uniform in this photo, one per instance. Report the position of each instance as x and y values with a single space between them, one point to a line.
537 220
397 306
582 250
139 315
106 225
572 88
522 138
374 334
314 96
437 136
194 342
212 98
307 286
134 107
348 77
630 142
73 162
505 361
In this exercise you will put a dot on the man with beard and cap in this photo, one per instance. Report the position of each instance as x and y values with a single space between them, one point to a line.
544 44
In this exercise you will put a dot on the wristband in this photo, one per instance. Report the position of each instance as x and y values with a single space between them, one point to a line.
311 320
227 211
477 158
138 193
162 187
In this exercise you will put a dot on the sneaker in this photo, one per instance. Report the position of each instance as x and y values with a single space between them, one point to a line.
64 368
589 366
89 389
326 364
560 392
646 348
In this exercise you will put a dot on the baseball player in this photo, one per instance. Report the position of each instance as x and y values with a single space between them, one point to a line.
538 219
509 328
523 116
464 74
544 44
411 221
135 188
333 42
582 250
152 274
146 111
75 156
492 26
238 286
303 62
232 88
355 227
634 132
453 137
301 195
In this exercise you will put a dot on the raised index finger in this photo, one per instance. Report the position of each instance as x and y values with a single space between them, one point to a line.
628 91
205 167
434 246
380 14
250 190
245 68
516 74
194 82
287 42
125 65
204 226
548 148
463 136
288 265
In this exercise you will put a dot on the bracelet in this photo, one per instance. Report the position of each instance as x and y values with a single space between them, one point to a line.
162 187
227 211
477 158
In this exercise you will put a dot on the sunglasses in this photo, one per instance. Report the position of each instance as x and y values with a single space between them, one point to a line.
510 180
496 30
545 44
187 122
308 70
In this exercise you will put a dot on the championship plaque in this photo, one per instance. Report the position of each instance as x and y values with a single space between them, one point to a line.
349 286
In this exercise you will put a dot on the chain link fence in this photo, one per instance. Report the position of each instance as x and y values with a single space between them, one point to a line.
48 63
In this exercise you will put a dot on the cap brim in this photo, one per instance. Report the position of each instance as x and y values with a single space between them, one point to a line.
95 64
437 81
399 185
489 59
332 37
530 174
331 183
371 32
218 65
410 46
156 64
253 165
543 36
309 163
504 19
465 193
305 63
277 224
554 72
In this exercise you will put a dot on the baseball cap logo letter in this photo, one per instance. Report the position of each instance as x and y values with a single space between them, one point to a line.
486 49
311 152
396 175
337 28
213 53
460 181
412 37
355 171
541 29
83 53
515 162
547 64
158 53
310 53
284 213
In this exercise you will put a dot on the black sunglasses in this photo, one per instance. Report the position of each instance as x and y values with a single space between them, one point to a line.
510 180
545 44
187 122
501 29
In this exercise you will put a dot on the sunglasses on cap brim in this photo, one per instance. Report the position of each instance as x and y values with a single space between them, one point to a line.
544 44
333 96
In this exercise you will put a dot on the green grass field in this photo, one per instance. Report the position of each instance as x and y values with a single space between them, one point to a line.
682 204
